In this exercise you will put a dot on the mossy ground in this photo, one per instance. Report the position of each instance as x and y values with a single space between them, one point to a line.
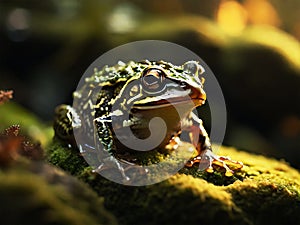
37 193
264 191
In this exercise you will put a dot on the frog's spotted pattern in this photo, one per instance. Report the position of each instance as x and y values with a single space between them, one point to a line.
131 94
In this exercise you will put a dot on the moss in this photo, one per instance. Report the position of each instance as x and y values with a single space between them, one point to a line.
265 191
66 158
36 193
174 201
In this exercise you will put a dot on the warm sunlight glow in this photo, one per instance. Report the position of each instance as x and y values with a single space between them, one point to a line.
261 12
296 30
232 17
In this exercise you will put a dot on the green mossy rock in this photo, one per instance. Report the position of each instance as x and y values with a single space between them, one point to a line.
265 191
37 193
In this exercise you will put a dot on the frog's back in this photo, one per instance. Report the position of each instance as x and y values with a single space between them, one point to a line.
98 92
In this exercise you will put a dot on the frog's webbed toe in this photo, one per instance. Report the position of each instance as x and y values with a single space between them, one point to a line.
128 171
112 163
207 159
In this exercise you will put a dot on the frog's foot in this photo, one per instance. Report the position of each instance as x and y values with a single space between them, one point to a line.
207 159
124 167
112 163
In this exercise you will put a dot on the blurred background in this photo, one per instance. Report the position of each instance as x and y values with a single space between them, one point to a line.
252 46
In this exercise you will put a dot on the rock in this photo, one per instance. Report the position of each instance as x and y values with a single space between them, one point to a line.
37 193
264 191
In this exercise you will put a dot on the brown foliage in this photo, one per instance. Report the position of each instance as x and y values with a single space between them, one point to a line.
13 145
5 96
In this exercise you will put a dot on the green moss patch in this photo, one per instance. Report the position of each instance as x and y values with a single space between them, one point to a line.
36 193
264 191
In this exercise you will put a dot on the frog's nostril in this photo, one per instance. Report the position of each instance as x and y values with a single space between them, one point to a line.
183 85
193 68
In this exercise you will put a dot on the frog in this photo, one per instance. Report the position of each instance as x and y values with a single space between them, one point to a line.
130 95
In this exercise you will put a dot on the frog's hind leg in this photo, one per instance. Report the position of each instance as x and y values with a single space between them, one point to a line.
65 120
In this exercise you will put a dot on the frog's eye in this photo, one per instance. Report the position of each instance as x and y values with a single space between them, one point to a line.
153 80
193 68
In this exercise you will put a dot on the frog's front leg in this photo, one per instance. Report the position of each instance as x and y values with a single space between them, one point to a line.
103 134
109 149
205 157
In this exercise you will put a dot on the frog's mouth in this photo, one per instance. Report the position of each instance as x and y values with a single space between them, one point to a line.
191 96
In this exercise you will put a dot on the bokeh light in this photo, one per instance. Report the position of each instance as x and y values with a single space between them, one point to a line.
18 24
232 17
